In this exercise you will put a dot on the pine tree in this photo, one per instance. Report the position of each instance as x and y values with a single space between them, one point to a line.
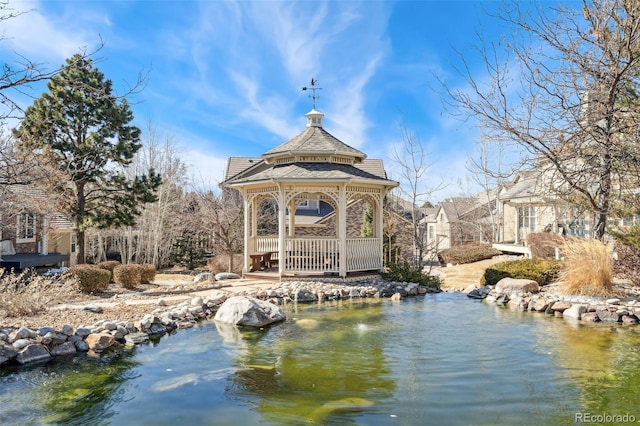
82 135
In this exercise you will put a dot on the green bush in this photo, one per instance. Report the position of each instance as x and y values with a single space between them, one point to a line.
128 276
543 271
412 274
109 265
147 273
468 253
91 278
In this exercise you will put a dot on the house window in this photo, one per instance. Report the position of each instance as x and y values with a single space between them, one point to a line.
432 232
26 228
74 242
527 217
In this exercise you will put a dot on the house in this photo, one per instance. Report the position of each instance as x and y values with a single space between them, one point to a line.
531 204
31 233
459 220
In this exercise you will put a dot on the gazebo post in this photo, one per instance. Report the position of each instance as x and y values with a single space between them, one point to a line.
342 230
282 226
247 235
379 228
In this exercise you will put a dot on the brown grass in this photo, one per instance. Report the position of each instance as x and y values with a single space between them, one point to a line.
587 268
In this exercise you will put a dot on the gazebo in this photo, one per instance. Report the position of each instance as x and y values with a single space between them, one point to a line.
316 173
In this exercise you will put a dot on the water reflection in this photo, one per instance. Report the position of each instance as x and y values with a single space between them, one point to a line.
317 367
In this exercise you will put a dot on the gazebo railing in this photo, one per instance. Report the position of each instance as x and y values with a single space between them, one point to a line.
363 254
312 255
269 243
323 254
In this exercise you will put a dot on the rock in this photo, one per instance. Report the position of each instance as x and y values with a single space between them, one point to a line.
244 310
629 319
44 330
613 301
33 353
196 301
7 352
476 293
589 317
157 328
136 338
575 311
517 286
93 308
21 343
560 306
203 277
100 342
68 330
66 348
22 333
541 304
83 332
303 295
605 315
81 346
226 276
469 289
396 297
110 325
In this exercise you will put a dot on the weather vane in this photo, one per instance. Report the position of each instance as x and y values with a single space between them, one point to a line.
313 89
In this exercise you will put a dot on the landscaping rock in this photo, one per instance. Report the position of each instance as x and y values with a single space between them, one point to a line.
305 296
226 276
100 342
575 311
560 306
590 317
33 353
203 277
250 311
136 338
517 286
606 315
66 348
477 293
7 353
629 319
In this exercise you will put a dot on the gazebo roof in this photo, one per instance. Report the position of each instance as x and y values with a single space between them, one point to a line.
312 155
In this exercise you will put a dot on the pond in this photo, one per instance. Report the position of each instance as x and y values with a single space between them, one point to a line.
440 359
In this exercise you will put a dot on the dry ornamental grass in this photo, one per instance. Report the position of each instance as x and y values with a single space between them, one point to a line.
587 268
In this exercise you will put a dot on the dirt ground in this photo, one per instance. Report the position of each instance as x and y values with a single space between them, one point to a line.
461 276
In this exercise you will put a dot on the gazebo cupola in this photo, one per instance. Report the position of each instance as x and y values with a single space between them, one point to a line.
312 167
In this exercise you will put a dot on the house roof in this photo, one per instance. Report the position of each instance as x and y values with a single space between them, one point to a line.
527 184
28 197
456 207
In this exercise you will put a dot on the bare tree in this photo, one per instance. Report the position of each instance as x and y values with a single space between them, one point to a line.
412 166
561 86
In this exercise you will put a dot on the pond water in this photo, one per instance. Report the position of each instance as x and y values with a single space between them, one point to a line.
442 360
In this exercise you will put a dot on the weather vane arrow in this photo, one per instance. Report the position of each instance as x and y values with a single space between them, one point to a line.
313 89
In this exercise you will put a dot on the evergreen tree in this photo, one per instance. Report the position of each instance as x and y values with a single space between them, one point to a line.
82 135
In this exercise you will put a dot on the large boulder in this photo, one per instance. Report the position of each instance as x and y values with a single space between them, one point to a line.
245 310
517 286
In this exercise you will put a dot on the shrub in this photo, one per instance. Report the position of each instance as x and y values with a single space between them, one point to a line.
18 297
468 253
627 265
543 245
412 274
586 268
128 276
220 263
147 273
543 271
109 265
91 278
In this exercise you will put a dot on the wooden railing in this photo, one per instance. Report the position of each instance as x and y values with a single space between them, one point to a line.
312 255
322 254
264 244
363 254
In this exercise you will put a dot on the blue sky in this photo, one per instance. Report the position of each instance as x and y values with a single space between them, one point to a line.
225 77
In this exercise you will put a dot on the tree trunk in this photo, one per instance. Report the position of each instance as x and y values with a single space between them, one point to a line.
81 256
